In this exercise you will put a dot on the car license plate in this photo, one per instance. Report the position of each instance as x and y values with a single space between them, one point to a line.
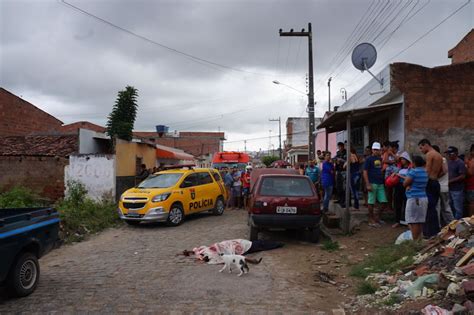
290 210
133 215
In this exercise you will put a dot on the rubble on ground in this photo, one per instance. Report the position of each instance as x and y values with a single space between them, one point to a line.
442 273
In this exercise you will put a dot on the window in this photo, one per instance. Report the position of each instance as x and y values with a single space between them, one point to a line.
204 178
286 187
357 139
216 176
190 181
160 181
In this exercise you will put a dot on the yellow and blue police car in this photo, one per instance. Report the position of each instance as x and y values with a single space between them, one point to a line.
169 196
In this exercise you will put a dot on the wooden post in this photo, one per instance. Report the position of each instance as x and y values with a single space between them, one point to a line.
346 217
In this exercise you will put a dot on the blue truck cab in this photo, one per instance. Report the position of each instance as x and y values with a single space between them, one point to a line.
26 234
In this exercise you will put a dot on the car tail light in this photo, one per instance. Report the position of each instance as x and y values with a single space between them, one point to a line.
257 207
258 204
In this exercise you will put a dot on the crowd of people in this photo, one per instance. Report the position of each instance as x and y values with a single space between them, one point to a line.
426 191
237 184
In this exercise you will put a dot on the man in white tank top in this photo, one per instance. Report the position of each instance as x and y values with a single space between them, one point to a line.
445 214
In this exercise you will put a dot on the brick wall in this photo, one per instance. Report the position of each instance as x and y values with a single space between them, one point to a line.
196 146
82 125
464 50
43 175
439 104
195 143
18 117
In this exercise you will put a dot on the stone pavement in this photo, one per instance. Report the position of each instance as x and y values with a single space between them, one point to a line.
136 270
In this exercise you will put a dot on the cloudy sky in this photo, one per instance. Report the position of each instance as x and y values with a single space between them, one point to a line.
209 65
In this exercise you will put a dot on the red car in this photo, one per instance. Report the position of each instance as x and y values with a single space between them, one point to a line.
281 198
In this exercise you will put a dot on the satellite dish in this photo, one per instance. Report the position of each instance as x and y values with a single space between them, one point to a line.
364 56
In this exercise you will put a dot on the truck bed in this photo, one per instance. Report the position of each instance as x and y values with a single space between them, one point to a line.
16 221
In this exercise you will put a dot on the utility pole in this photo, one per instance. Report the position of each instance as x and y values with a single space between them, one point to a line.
311 151
279 135
245 146
329 94
329 110
269 141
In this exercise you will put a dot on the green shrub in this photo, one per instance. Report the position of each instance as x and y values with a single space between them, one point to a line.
81 215
388 258
366 287
392 299
330 246
20 197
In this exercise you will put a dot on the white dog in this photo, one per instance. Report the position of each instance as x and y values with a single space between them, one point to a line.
237 260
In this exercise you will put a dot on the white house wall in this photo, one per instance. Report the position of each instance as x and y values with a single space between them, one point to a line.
95 171
363 98
88 143
396 126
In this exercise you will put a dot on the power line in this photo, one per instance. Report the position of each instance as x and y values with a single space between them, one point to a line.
385 40
424 34
395 16
261 138
380 23
193 58
237 141
373 13
343 47
364 32
405 19
430 30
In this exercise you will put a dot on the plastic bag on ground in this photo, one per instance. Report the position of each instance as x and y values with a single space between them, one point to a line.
420 283
405 236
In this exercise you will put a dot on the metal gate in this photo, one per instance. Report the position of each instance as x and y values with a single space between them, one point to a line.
378 131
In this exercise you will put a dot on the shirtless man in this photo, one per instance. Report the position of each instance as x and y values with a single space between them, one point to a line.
434 168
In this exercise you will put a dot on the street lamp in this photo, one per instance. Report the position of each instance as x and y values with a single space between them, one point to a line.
344 94
288 86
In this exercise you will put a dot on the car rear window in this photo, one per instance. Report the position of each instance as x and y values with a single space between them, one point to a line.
286 187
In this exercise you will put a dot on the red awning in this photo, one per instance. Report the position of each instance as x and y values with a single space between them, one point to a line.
172 155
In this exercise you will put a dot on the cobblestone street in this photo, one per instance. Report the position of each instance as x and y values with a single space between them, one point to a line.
135 269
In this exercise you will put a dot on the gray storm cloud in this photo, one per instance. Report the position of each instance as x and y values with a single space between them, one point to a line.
72 65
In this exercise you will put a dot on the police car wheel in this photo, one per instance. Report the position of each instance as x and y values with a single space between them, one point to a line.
176 215
220 206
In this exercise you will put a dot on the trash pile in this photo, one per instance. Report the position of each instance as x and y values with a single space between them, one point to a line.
442 273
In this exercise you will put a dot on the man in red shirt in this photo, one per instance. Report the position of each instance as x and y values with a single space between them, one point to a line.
246 184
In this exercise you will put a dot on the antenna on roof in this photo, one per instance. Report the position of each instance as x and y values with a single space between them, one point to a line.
364 57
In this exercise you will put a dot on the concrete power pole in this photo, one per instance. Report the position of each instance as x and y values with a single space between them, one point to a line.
329 110
279 135
311 84
311 151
